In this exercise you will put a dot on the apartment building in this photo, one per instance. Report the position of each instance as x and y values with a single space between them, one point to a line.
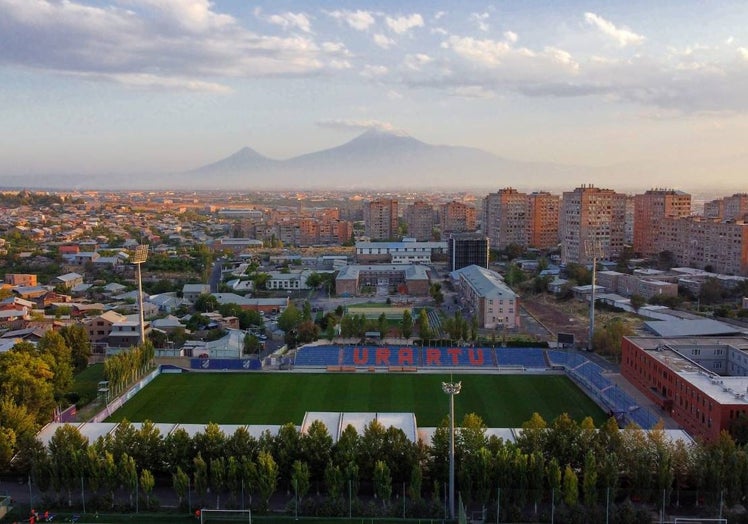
456 217
544 209
650 209
506 218
419 219
380 219
489 299
592 224
734 207
700 242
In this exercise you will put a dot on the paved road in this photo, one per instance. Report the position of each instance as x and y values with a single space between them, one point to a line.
215 276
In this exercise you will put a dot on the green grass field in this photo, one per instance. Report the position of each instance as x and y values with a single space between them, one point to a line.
277 398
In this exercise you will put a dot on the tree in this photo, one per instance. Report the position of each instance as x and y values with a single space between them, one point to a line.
382 481
54 350
290 318
27 379
382 325
76 338
300 479
206 303
252 344
314 280
180 482
637 301
147 483
424 328
265 477
435 290
607 339
571 487
589 479
316 446
334 480
406 326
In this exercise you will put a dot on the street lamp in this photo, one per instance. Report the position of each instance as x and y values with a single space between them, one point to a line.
452 389
139 256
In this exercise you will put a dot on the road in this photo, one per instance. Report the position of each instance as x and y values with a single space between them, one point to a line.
215 276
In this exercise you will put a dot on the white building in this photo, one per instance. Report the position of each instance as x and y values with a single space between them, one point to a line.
488 297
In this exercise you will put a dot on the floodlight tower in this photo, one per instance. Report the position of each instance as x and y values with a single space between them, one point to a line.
139 256
593 248
452 389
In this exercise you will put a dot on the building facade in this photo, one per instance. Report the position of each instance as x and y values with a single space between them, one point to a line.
380 219
592 224
456 217
701 243
467 249
544 209
419 219
701 382
650 209
506 218
487 297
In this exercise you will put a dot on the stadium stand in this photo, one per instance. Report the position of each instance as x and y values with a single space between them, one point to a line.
525 357
457 357
318 356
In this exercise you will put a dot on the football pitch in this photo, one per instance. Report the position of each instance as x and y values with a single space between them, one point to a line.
278 398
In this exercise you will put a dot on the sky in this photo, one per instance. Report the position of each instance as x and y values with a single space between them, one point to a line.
657 91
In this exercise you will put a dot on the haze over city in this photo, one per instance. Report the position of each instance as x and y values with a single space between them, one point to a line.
639 95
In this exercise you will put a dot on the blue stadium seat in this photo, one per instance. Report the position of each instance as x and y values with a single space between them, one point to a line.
527 357
318 356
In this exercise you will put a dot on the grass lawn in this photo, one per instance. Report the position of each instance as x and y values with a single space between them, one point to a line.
86 383
277 398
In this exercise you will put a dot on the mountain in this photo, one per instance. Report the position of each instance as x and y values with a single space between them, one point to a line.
246 159
375 159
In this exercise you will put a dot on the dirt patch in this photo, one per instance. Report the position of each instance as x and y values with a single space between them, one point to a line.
559 317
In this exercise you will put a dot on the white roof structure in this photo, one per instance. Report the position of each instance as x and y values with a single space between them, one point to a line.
405 421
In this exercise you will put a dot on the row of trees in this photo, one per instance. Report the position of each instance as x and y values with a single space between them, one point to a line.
574 463
124 368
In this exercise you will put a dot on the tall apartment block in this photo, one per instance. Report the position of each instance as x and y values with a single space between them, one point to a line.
419 218
380 219
544 213
467 249
733 207
703 242
457 217
592 223
649 211
506 218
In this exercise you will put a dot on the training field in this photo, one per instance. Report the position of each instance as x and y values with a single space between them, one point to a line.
278 398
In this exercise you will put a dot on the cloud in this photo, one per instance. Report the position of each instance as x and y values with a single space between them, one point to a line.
479 92
347 124
358 20
403 24
417 61
153 82
481 20
291 21
622 36
184 44
383 41
374 71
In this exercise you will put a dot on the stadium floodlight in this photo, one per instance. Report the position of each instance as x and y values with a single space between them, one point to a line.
593 249
452 389
139 256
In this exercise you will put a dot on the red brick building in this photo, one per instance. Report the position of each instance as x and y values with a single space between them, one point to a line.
701 381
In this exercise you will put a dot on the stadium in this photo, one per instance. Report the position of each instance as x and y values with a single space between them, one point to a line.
350 384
